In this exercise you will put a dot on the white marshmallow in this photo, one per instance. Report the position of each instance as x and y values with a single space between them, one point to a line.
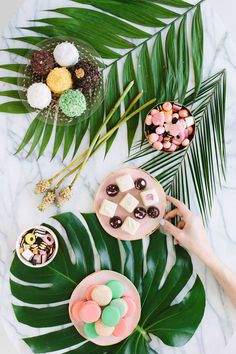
27 254
149 197
108 208
129 202
130 225
189 121
125 183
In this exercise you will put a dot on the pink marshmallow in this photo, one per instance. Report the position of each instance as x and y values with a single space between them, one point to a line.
154 111
186 142
160 130
175 129
152 138
190 130
186 133
167 145
183 113
182 123
175 115
177 140
167 106
160 138
158 118
176 107
148 120
158 145
172 148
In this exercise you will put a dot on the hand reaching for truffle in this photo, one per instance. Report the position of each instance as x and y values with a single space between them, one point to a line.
191 234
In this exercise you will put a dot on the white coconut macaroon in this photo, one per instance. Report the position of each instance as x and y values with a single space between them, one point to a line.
66 54
39 95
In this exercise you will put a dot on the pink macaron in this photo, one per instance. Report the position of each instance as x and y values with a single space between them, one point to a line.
76 309
122 329
90 312
152 138
131 305
183 113
89 291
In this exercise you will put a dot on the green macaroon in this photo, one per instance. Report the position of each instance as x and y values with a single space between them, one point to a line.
117 289
89 330
72 103
111 316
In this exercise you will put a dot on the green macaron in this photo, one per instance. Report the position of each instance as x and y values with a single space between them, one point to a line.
111 316
117 288
121 305
89 330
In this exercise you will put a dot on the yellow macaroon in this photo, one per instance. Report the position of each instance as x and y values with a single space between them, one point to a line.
59 80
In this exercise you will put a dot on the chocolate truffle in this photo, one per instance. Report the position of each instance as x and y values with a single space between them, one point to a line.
86 76
72 103
140 213
59 80
140 184
153 212
115 222
42 62
112 190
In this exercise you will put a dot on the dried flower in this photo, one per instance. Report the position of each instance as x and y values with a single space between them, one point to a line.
42 186
64 196
48 199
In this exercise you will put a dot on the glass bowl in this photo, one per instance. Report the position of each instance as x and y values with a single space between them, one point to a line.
53 112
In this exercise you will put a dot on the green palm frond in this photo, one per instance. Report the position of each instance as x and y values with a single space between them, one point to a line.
52 287
202 165
110 26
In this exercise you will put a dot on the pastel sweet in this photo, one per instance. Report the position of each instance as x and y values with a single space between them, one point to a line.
185 142
130 225
129 203
153 137
30 238
27 254
177 140
110 316
76 309
158 145
102 295
183 113
168 118
90 312
117 288
131 305
39 95
154 111
160 130
189 121
89 291
66 54
125 183
149 197
148 120
103 330
158 118
121 305
90 331
176 107
167 106
108 208
48 239
174 129
122 329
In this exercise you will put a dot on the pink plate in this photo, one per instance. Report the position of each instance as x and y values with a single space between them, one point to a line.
147 225
102 277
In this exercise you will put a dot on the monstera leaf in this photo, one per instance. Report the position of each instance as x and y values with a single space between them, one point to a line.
166 313
143 42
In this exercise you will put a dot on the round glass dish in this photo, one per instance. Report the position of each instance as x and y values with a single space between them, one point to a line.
53 112
169 127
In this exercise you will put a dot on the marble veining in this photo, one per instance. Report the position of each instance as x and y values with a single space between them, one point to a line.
19 175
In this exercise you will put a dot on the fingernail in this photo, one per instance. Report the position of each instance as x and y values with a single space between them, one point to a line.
162 222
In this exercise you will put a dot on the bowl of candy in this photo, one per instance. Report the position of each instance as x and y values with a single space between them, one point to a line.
37 247
169 127
62 81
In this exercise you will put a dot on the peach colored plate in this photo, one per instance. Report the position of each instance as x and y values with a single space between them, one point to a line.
148 225
102 277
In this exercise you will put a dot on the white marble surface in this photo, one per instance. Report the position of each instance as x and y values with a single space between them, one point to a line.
18 204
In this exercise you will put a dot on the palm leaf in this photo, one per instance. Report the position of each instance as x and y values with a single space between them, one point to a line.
113 31
62 275
201 164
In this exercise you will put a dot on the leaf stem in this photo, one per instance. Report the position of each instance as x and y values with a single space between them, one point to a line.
143 333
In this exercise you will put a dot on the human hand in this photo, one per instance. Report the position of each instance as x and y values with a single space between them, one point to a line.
189 232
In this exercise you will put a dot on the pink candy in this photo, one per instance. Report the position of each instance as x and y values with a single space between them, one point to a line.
167 106
160 130
186 142
158 145
168 118
148 120
152 138
183 113
158 118
174 129
177 140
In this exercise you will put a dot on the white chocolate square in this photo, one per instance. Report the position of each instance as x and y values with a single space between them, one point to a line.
149 197
125 183
27 254
189 121
108 208
130 225
129 203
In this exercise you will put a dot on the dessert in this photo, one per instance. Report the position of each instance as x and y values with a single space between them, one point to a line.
137 204
59 80
110 323
86 76
39 96
167 127
129 203
37 247
102 295
72 103
42 62
66 54
108 208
